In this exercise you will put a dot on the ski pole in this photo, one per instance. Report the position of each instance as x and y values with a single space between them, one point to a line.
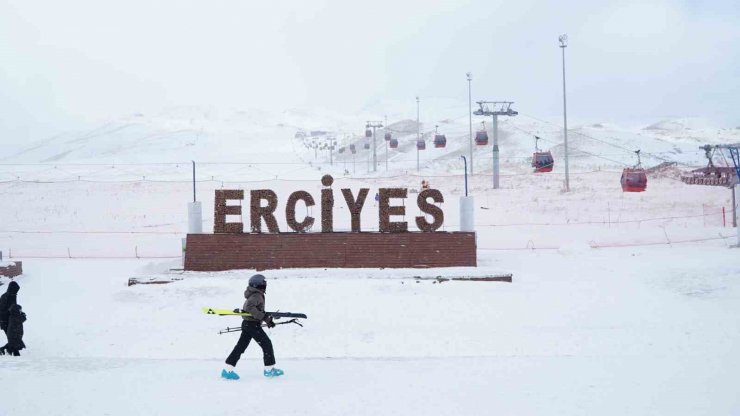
237 329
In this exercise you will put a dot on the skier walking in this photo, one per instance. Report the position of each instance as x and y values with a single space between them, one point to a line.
252 328
8 299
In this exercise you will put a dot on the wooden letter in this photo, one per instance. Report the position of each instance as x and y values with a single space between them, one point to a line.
220 226
431 209
327 205
300 227
355 206
386 226
258 211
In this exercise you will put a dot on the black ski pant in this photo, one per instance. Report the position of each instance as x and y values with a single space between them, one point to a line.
252 329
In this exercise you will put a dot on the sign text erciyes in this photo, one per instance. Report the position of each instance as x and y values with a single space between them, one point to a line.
259 212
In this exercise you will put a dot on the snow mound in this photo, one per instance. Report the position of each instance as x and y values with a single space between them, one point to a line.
680 124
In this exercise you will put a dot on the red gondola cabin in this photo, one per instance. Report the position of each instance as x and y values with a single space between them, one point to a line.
542 162
440 140
481 138
634 180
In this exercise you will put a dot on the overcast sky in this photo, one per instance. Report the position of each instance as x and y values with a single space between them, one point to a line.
63 63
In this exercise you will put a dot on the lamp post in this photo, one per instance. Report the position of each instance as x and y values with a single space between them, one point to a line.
495 109
564 44
417 133
386 143
332 141
374 125
470 116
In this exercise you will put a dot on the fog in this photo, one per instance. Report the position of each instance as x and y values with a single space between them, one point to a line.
72 63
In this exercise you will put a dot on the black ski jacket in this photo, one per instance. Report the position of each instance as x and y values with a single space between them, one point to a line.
8 299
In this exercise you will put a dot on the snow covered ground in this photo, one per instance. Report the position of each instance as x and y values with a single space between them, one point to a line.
621 303
589 331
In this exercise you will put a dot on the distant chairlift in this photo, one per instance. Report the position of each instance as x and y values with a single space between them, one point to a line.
440 140
634 179
541 161
341 149
388 136
352 149
421 144
366 145
368 133
481 136
393 143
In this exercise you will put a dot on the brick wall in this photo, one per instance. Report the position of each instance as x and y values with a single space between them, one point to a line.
215 252
12 270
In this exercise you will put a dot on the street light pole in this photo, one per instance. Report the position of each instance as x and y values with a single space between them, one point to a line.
417 133
495 152
564 44
331 152
470 116
386 143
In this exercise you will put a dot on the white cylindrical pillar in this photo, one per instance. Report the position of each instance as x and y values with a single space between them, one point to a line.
195 218
467 218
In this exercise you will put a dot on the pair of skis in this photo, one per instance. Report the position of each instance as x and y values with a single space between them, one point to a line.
239 312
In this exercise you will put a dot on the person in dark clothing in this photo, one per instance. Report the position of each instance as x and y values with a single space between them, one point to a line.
16 318
8 299
252 329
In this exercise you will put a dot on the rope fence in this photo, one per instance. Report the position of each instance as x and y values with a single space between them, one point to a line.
69 255
529 246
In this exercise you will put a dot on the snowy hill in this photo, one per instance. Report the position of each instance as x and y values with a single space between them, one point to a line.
184 134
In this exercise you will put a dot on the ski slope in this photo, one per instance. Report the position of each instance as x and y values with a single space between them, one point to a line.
578 332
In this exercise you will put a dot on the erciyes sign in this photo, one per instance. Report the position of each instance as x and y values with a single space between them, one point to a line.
259 213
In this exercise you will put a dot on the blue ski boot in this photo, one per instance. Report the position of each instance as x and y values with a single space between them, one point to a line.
229 375
273 372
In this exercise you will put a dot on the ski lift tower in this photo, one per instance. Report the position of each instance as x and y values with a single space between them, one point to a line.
495 109
734 150
374 125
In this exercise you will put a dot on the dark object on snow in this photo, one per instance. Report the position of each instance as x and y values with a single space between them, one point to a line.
15 330
8 299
